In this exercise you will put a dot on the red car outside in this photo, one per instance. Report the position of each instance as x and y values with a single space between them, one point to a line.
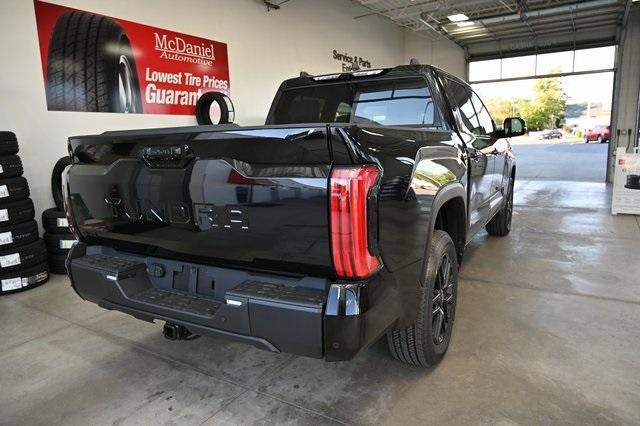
599 133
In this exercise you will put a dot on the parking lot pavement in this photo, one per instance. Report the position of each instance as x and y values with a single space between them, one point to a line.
533 139
562 161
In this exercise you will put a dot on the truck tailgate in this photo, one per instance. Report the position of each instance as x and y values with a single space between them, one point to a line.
249 197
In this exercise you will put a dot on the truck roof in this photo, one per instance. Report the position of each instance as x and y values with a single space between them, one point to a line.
364 74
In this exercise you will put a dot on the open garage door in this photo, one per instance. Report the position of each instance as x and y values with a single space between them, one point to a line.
509 31
566 99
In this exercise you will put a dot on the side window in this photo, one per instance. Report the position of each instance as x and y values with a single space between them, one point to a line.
486 123
460 96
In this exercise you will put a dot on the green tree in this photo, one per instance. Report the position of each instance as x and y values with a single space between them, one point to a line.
548 105
501 108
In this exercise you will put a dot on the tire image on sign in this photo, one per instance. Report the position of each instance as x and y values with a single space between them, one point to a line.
90 66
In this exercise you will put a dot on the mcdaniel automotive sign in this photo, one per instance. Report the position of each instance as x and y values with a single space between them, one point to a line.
177 49
97 63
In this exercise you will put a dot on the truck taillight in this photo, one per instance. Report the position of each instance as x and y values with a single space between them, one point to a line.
67 203
349 193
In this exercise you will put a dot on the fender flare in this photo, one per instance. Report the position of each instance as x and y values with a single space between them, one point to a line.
446 193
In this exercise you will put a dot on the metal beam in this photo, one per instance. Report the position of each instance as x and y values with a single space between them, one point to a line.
534 77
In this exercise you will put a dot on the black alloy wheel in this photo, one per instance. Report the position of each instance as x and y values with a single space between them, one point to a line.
442 301
426 339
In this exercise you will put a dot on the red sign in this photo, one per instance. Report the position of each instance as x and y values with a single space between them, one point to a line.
96 63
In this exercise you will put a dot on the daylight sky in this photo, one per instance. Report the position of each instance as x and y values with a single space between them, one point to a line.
579 88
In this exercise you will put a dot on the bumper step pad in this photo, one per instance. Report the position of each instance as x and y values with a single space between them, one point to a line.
180 302
112 266
306 297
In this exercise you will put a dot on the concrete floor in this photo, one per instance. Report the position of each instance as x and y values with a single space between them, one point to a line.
547 332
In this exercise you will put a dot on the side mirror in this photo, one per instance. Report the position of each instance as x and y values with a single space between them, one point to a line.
514 126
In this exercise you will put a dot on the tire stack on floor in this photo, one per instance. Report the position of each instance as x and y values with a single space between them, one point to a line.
23 256
57 236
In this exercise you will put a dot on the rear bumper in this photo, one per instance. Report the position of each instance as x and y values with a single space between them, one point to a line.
305 316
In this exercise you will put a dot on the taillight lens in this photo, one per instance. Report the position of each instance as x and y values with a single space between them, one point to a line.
67 203
349 191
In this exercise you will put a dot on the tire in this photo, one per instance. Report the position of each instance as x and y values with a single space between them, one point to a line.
8 143
54 221
10 166
57 264
203 108
13 189
419 344
18 235
24 279
500 224
16 212
56 181
600 139
23 256
59 243
89 61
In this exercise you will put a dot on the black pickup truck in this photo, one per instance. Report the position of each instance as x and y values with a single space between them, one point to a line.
342 220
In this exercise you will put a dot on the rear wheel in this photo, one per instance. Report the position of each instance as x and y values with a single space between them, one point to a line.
500 225
425 342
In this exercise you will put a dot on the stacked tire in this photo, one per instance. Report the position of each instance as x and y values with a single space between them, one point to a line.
23 256
57 236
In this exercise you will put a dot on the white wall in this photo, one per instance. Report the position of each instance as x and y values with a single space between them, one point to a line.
440 52
264 49
626 91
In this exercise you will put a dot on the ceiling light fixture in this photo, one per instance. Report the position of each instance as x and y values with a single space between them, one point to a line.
458 17
465 24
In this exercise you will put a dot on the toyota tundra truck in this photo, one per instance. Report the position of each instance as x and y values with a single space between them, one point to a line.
342 220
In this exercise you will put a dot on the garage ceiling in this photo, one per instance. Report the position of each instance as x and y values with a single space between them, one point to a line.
503 28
